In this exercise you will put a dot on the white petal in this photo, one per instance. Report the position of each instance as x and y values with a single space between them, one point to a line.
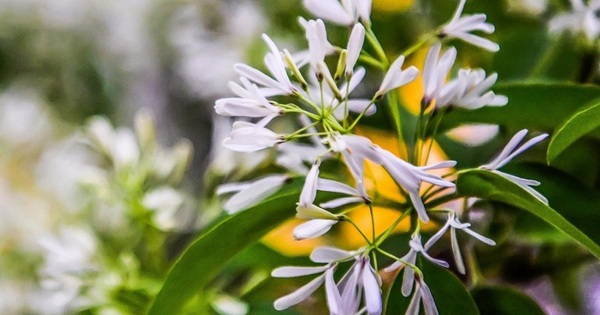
330 10
427 298
299 295
335 186
460 265
510 146
313 228
254 193
371 291
355 43
332 293
309 190
309 212
291 272
326 254
336 203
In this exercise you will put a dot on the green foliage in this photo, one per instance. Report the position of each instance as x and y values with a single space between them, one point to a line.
584 121
539 106
497 300
206 256
490 186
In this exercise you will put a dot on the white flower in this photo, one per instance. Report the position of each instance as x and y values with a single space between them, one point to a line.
416 247
165 202
250 103
422 294
345 298
454 225
582 19
328 255
249 137
293 156
470 90
346 12
508 153
460 26
409 177
435 72
355 43
396 77
250 193
281 85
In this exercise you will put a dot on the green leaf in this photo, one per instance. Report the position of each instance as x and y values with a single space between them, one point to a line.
488 185
497 300
450 294
205 257
540 106
584 121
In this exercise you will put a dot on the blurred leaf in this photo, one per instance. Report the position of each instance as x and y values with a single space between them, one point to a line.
204 258
530 105
498 300
584 121
490 186
443 284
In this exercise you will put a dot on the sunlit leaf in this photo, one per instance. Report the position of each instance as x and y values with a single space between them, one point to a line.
205 257
490 186
576 126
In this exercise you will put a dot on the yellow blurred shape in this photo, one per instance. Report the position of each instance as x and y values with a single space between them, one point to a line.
282 240
392 5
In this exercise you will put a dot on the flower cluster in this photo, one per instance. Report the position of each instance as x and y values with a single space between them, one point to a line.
320 98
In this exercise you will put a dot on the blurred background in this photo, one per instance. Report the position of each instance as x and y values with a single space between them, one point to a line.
63 62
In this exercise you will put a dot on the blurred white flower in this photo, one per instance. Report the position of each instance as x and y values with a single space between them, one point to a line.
24 120
165 202
344 12
583 18
248 194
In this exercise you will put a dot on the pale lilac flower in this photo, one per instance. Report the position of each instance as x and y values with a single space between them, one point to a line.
248 194
355 43
346 12
470 90
250 103
328 255
453 224
422 294
409 177
281 85
461 26
345 298
416 247
435 72
582 19
508 153
396 77
249 137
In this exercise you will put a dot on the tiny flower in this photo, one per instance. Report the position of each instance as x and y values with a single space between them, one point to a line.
454 225
250 193
410 177
508 153
396 77
582 19
355 43
435 72
461 26
249 137
411 258
281 85
470 90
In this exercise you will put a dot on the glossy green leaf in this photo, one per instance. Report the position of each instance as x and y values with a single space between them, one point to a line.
498 300
540 106
491 186
205 257
443 285
576 126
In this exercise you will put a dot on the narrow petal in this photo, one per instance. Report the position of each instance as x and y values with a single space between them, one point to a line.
427 298
339 202
332 293
313 228
327 254
371 290
309 190
254 193
460 265
355 43
510 146
299 295
291 272
480 237
310 212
